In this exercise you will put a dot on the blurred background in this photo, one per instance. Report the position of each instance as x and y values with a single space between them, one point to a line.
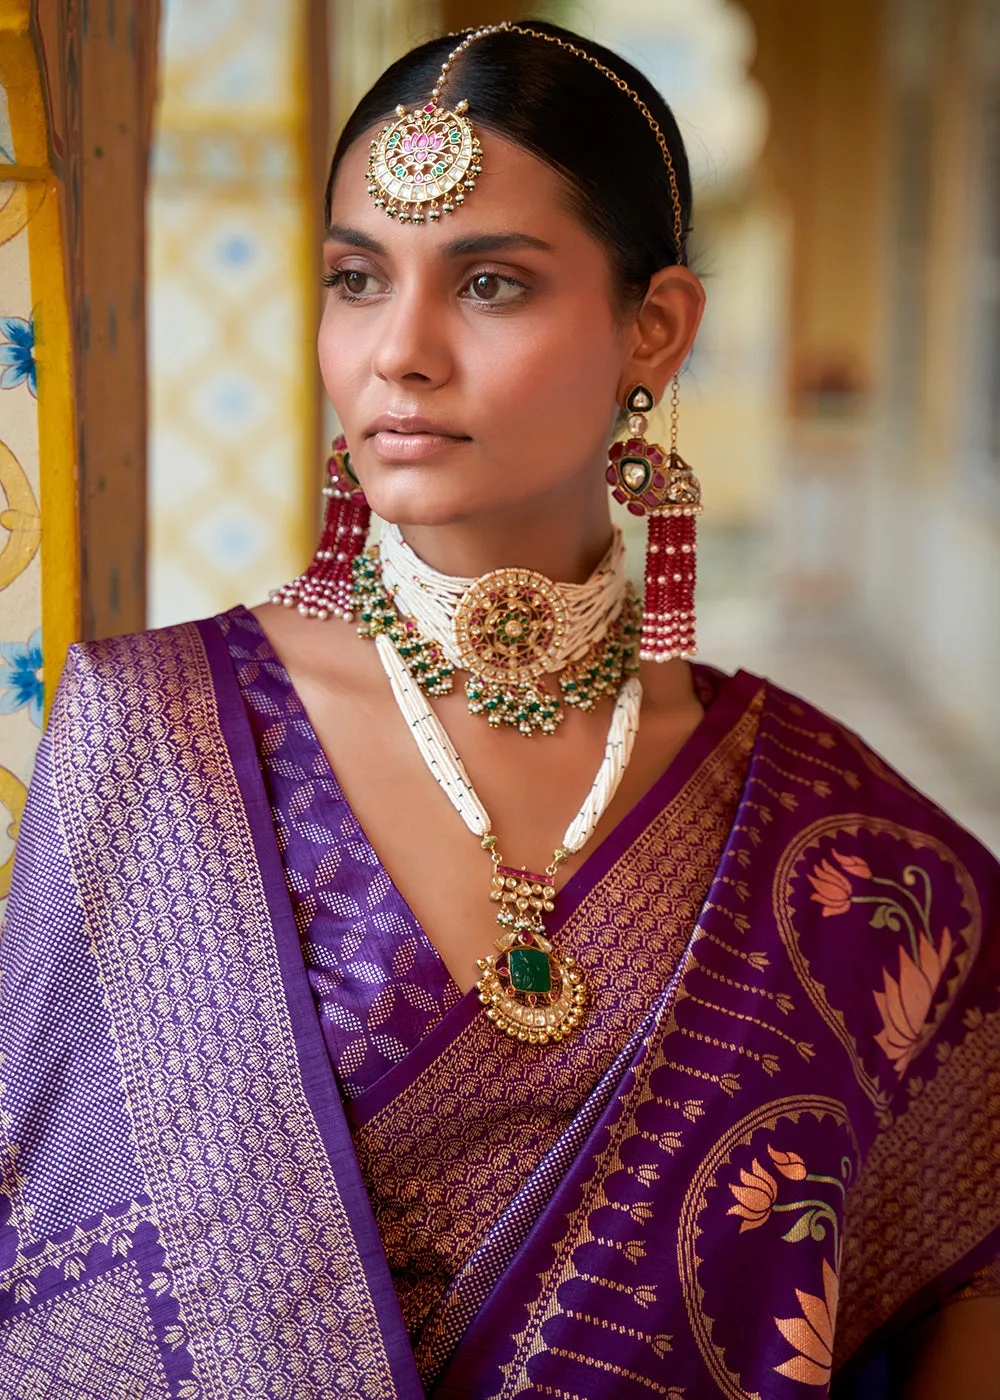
164 429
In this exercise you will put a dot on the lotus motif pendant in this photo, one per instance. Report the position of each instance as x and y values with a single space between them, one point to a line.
422 165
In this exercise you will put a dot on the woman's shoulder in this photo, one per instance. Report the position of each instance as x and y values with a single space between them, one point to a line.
106 656
137 673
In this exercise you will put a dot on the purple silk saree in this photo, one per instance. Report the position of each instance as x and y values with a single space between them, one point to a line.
241 1156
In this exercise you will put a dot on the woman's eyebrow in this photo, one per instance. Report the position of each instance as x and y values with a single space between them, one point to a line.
459 247
340 233
493 243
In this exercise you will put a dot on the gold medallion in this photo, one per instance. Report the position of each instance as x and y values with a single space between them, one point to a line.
422 165
510 626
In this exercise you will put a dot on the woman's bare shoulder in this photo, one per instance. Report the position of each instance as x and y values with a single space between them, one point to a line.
327 653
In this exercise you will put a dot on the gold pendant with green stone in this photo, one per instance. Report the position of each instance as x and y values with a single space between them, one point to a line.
529 992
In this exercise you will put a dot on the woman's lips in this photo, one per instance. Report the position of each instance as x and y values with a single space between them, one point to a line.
411 447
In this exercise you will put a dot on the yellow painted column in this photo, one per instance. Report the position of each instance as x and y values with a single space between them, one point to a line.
39 541
234 292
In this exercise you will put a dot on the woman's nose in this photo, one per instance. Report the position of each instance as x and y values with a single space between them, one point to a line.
412 341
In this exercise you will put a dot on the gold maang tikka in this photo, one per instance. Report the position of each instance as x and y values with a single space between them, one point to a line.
422 165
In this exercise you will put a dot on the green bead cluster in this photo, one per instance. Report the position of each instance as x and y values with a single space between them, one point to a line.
524 707
610 661
529 707
372 604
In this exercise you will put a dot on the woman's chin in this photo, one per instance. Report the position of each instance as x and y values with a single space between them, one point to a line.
427 496
428 509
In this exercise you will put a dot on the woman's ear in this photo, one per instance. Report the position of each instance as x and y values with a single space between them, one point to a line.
663 331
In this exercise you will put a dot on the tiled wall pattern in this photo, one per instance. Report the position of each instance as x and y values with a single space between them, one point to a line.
231 275
20 520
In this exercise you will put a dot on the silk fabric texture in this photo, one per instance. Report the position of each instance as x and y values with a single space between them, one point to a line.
229 1170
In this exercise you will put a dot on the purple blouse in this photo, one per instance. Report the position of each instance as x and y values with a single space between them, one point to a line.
379 983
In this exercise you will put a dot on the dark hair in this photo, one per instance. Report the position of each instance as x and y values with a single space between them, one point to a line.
563 110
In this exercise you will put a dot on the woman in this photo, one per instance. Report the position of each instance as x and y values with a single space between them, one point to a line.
716 1113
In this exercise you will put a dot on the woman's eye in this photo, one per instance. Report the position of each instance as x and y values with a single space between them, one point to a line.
357 283
491 287
352 283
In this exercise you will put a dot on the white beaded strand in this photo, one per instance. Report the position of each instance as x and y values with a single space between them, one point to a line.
622 734
448 770
436 749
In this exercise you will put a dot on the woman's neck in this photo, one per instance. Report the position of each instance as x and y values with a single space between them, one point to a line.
565 541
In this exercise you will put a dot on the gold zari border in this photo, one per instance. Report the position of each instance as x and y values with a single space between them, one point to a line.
271 1286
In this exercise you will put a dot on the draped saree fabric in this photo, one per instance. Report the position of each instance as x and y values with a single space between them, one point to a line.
233 1163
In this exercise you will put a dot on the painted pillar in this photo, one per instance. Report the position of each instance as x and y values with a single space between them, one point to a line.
234 297
75 97
39 594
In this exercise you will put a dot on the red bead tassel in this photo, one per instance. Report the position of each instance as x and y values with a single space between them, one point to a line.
668 622
324 590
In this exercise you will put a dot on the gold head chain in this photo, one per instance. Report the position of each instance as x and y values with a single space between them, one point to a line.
424 163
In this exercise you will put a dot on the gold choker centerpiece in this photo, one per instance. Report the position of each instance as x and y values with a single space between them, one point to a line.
509 629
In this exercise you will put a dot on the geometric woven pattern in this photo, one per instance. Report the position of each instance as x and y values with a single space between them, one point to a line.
93 1343
380 985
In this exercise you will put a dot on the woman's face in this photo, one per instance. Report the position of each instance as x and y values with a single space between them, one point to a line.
474 363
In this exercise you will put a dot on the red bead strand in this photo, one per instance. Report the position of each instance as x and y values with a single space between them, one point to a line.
324 590
668 621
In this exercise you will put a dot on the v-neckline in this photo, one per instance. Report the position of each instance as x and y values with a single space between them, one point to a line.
731 696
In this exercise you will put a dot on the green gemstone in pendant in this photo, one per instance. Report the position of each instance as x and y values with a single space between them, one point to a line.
529 970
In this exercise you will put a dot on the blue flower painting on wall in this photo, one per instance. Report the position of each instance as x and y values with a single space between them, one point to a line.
17 353
21 680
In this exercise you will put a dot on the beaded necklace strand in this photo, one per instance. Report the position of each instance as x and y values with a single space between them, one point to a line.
528 991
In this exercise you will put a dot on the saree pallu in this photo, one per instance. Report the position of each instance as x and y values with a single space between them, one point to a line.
785 1150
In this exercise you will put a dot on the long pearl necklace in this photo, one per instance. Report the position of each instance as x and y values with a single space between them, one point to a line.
528 991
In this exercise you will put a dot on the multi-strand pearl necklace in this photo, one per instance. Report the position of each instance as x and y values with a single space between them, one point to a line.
434 600
507 629
528 992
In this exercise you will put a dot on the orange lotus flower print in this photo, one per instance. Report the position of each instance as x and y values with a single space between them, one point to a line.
903 1005
854 865
811 1334
831 888
790 1164
755 1197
